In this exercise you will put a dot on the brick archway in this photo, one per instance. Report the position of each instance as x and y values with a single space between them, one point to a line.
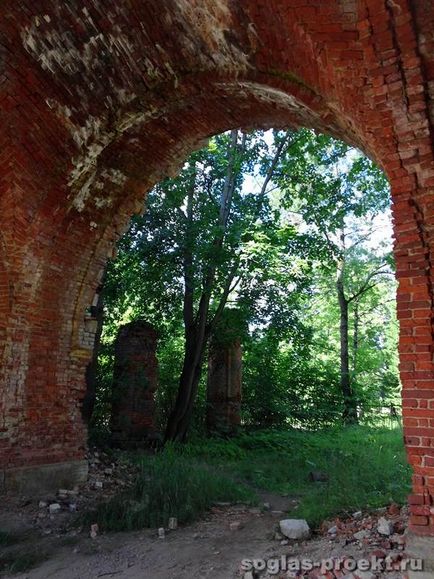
99 100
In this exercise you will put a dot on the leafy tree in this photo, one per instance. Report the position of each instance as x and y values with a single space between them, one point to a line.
209 236
338 192
276 227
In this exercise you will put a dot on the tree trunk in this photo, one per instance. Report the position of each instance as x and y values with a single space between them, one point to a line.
179 420
356 338
197 327
350 406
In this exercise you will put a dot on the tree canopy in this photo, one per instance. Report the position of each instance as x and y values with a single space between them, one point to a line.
285 227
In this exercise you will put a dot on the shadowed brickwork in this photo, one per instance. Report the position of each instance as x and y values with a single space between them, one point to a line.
135 380
101 99
224 386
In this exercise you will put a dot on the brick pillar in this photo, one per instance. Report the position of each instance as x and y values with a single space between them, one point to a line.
135 380
224 386
416 346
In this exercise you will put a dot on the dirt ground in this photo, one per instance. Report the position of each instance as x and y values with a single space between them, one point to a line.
53 545
211 548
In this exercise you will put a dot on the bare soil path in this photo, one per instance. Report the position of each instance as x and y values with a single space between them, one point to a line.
211 548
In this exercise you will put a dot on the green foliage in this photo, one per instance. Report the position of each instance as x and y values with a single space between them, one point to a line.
20 562
168 485
373 332
326 182
99 428
284 385
169 354
213 449
291 228
7 538
339 195
230 327
18 553
368 471
173 246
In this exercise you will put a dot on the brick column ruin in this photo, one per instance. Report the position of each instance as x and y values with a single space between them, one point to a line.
224 386
135 380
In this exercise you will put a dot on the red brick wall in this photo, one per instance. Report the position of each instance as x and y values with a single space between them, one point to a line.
100 99
224 386
135 380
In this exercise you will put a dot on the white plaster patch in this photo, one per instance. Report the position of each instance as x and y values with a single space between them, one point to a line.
268 95
56 50
93 138
210 19
17 352
108 178
123 96
114 176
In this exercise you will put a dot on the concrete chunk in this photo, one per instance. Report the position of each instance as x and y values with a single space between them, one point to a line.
295 528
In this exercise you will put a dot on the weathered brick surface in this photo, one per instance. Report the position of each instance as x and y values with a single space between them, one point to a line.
224 386
135 380
100 99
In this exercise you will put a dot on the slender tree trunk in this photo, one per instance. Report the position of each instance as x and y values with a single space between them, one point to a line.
356 338
179 420
350 406
197 327
88 403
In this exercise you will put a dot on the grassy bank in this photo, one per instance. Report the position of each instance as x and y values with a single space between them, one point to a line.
168 485
365 467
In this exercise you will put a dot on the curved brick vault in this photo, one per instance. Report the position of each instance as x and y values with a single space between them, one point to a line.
99 99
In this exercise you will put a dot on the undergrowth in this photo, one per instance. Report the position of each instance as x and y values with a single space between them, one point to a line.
366 468
168 485
18 554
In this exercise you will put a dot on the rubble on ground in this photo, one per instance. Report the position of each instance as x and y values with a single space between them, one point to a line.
375 533
57 512
382 528
294 528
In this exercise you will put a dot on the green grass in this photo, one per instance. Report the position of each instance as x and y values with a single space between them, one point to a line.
22 561
366 467
17 554
168 485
